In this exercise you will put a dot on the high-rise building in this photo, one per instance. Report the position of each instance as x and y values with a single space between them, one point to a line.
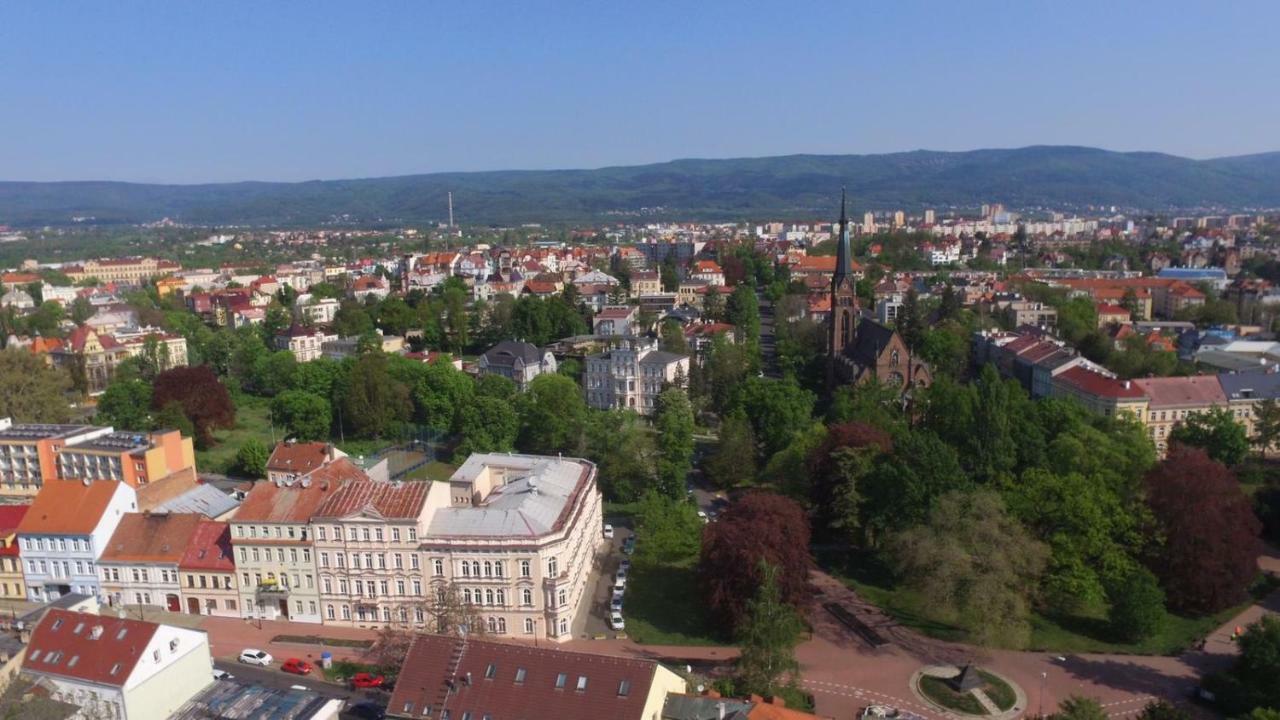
929 217
899 219
868 222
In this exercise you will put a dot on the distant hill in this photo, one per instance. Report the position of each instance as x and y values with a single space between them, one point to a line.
750 188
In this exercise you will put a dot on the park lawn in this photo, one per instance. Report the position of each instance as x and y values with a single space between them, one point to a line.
434 470
253 420
362 448
1084 631
663 606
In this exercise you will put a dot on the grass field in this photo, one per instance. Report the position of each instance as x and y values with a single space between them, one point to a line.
253 420
664 607
1083 631
434 470
941 692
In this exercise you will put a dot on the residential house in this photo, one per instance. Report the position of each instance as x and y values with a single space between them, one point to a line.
139 565
305 343
319 311
632 375
1109 314
271 536
1101 393
366 537
208 572
123 271
645 282
370 286
445 676
111 667
708 271
12 586
1245 391
65 531
1018 312
29 453
518 541
338 348
291 459
617 320
517 361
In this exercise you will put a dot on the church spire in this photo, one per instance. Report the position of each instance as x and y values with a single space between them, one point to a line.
844 253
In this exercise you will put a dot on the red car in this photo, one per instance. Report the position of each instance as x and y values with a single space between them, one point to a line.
296 666
365 680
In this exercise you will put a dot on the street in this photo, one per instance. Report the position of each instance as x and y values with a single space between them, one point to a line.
272 677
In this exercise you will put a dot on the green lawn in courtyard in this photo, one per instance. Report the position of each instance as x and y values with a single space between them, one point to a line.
434 470
253 420
663 606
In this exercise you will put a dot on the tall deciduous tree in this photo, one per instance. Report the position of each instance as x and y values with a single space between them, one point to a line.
670 531
624 452
30 391
204 400
305 415
487 424
768 636
126 405
978 566
1210 542
778 409
734 459
552 416
759 527
372 401
1266 424
1217 433
674 422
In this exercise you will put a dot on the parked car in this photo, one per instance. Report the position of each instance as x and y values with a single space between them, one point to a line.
616 622
629 545
608 531
367 710
622 573
625 564
620 583
249 656
222 675
616 603
296 666
367 680
702 515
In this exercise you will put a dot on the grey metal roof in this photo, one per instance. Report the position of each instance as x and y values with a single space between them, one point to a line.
1251 385
505 353
700 707
206 500
536 491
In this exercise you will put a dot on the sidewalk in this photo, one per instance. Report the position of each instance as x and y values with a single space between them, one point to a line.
228 636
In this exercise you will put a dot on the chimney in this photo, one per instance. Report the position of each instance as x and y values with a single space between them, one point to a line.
1127 384
95 632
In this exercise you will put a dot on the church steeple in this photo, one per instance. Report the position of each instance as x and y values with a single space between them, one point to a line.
844 253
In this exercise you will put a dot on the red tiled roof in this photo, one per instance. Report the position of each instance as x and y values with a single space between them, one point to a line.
151 537
10 519
210 548
392 500
298 457
1107 309
540 287
68 507
293 503
815 263
64 644
1092 383
425 674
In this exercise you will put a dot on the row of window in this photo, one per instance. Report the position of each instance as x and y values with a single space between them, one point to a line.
369 588
364 533
265 554
59 568
139 575
284 580
397 560
59 544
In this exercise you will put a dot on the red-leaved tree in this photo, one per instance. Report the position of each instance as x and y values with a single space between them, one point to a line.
203 399
761 525
1210 546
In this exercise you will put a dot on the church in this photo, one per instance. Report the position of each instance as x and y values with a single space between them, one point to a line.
859 348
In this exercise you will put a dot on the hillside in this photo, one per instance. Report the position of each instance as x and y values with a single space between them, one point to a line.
750 188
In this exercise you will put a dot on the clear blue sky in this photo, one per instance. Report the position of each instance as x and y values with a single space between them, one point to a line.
272 90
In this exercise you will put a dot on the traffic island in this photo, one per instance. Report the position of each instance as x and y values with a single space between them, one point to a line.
968 691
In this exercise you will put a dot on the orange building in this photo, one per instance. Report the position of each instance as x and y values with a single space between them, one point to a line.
133 458
29 453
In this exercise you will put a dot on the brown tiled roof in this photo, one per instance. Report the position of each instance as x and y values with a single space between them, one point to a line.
297 502
64 644
1093 383
209 548
298 457
424 676
68 507
391 500
151 537
1198 390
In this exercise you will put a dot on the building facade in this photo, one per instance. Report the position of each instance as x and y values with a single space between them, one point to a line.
208 572
29 453
632 375
12 586
135 459
65 531
519 362
139 565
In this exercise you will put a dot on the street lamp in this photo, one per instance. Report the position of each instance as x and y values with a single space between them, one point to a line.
1044 677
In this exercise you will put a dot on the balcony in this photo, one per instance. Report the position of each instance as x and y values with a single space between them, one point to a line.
271 589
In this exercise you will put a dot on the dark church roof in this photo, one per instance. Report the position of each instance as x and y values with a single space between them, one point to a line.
844 253
870 339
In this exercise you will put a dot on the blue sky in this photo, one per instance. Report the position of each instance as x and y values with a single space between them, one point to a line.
193 92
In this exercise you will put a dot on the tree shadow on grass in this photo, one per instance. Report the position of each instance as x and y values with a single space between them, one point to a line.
664 606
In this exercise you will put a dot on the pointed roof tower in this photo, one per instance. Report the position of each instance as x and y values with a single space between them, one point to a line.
844 253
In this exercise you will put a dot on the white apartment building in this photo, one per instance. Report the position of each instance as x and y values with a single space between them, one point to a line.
518 540
64 532
305 344
139 564
632 375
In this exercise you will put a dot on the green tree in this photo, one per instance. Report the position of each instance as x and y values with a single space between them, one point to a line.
171 417
1077 707
1077 317
126 405
743 312
778 409
305 415
669 530
1137 606
624 452
441 393
372 402
251 459
1164 710
674 422
1266 423
487 424
767 637
30 390
1251 681
1216 432
911 321
734 460
495 386
979 566
552 416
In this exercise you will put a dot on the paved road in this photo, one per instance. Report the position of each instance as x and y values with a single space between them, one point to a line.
273 678
768 338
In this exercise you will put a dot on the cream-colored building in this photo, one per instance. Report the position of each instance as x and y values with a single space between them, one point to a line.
517 541
632 375
127 271
366 541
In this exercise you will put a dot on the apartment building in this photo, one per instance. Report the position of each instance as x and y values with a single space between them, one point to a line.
271 536
632 375
645 282
122 271
518 541
517 361
1101 394
304 343
291 460
1174 399
319 311
29 453
208 572
139 565
65 531
616 320
110 667
366 537
11 585
135 459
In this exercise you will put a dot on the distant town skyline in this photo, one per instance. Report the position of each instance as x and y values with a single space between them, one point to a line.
155 92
